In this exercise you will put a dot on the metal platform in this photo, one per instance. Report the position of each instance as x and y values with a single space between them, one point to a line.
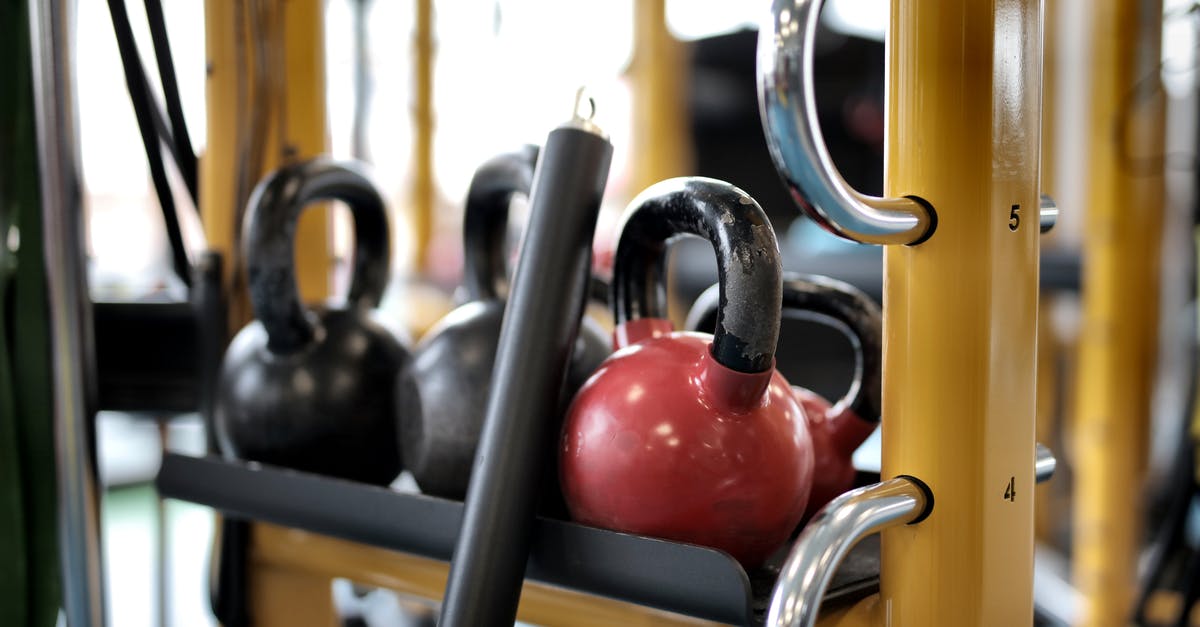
687 579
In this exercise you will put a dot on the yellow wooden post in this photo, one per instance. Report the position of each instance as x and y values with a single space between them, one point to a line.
1046 515
300 129
661 140
1120 302
658 72
218 173
964 98
265 98
422 198
294 569
265 104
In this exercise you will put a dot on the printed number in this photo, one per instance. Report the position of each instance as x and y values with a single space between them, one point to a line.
1014 217
1010 491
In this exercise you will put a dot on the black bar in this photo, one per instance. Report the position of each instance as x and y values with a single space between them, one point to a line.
146 357
162 356
540 326
675 577
181 146
140 97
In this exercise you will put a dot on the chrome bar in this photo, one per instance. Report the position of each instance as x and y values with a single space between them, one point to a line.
1044 464
796 599
51 24
1048 213
787 104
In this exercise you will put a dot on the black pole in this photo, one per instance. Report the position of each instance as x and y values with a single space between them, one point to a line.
181 147
540 325
139 96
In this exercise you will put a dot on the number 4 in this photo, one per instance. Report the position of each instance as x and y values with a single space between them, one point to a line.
1014 217
1010 491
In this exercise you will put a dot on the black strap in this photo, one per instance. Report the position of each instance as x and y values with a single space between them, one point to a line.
144 110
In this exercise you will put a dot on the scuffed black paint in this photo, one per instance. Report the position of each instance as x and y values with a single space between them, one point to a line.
843 303
269 244
748 264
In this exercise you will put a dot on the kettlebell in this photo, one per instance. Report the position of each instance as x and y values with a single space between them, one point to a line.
444 391
837 429
689 436
314 391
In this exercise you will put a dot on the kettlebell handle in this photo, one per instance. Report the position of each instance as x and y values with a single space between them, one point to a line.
485 220
269 230
848 308
748 264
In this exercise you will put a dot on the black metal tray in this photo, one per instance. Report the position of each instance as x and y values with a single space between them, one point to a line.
672 576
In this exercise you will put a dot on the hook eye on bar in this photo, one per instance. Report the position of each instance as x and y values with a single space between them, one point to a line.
1044 464
829 536
1048 213
788 107
787 104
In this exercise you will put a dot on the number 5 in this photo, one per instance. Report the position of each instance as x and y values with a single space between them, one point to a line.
1014 217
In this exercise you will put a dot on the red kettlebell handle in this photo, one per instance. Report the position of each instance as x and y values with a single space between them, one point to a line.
840 305
485 220
268 244
746 329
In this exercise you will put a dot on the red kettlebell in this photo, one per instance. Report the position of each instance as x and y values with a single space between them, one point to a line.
837 429
688 436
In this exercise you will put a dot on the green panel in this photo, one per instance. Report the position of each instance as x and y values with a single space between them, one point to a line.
25 321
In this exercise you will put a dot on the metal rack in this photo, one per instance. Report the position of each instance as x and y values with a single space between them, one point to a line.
680 578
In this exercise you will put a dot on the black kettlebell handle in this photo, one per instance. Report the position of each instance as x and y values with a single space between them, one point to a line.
848 308
485 220
269 232
748 264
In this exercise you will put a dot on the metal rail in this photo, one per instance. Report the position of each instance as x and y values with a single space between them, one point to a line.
51 22
827 539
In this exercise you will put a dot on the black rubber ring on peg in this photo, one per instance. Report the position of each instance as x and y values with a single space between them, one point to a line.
836 303
485 220
748 264
269 244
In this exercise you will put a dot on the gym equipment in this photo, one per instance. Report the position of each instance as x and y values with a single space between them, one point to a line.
443 391
150 121
266 106
960 295
805 576
305 391
837 429
1120 292
62 339
687 436
539 332
265 96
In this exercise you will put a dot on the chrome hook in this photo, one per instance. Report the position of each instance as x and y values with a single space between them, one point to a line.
788 108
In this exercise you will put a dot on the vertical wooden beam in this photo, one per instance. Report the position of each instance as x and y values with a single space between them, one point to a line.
266 106
964 106
1117 344
423 197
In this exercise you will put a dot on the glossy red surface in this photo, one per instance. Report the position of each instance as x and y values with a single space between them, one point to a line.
664 441
836 433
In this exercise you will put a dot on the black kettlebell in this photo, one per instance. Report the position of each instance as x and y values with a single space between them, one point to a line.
443 393
314 391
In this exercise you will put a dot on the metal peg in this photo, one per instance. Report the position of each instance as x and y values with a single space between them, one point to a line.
1048 213
789 115
830 535
1044 463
